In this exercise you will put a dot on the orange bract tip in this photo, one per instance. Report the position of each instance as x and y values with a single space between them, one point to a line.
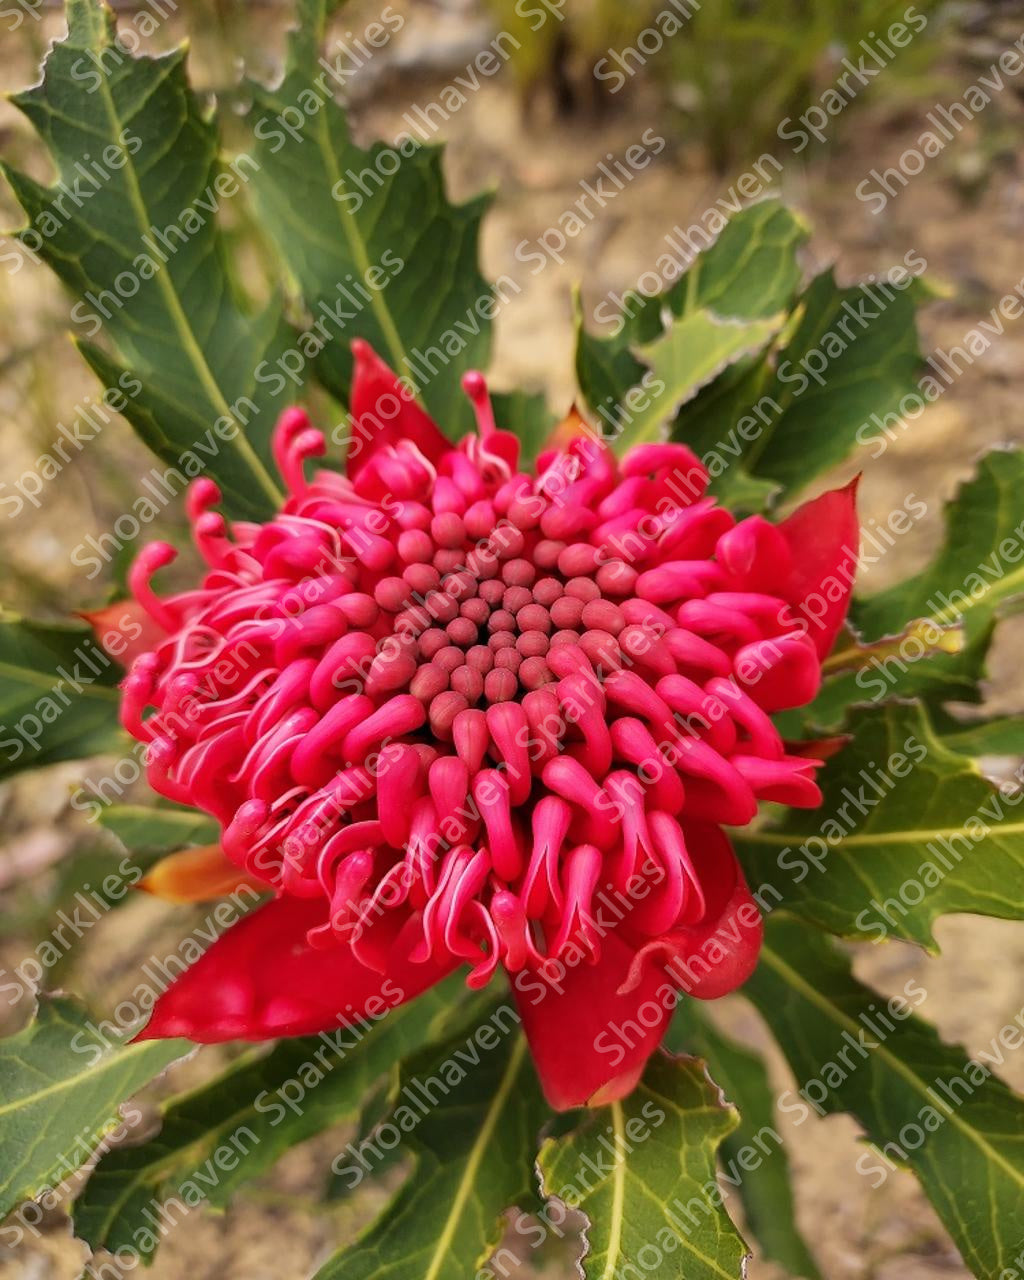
572 426
196 875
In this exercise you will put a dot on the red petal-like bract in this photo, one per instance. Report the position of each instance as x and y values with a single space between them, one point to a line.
263 976
456 713
381 414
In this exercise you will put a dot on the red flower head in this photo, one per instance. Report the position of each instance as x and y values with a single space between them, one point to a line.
454 713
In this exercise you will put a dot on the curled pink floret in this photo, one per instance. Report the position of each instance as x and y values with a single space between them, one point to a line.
457 713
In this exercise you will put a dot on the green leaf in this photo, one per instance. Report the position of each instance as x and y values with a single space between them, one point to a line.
1000 736
131 227
643 1171
746 277
606 368
63 1082
28 907
847 358
471 1111
94 875
977 575
856 666
752 270
158 829
528 416
695 349
923 1104
58 694
226 1132
753 1156
147 834
375 246
743 493
928 636
375 1109
841 355
907 831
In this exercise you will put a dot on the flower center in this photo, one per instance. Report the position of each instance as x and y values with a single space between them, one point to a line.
474 623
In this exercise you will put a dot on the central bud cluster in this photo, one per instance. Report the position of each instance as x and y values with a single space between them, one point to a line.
477 621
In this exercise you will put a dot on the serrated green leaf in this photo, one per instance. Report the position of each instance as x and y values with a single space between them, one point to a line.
748 275
843 692
58 695
724 422
848 357
759 423
474 1150
753 1156
94 876
696 348
63 1083
147 834
132 221
922 1103
977 573
643 1171
751 270
236 1126
928 636
86 875
842 355
743 493
907 831
376 247
374 1111
605 365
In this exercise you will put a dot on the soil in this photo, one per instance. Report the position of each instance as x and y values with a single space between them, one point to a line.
964 213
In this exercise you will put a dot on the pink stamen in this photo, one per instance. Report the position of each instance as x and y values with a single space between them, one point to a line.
475 386
149 560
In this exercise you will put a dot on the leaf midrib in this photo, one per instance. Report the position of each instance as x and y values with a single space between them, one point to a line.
178 315
821 1002
476 1154
1005 585
42 681
112 1062
353 236
618 1196
777 839
149 1175
357 245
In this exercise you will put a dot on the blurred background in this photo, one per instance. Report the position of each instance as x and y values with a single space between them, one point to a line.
716 92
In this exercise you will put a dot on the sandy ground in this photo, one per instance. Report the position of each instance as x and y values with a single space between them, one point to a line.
964 214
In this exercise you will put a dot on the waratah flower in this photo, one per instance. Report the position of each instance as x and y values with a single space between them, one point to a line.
454 713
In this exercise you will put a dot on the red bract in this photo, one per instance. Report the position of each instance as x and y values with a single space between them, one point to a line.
454 713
